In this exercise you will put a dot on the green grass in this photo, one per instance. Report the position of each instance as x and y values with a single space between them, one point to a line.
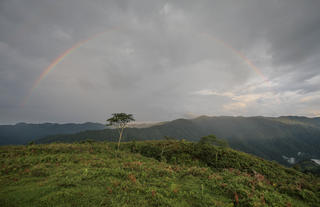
157 173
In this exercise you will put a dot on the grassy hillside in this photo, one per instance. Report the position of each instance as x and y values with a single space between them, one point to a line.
270 138
152 173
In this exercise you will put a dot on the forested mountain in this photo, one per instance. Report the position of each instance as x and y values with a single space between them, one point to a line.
23 133
283 139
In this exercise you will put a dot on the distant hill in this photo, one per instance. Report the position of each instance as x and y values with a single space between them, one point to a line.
23 133
144 124
267 137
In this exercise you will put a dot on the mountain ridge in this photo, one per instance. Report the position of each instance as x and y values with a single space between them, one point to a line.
267 137
22 133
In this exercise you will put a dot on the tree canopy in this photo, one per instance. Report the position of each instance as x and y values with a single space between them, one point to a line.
120 121
212 139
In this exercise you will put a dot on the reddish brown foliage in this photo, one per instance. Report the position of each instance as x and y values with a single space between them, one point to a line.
109 190
263 201
236 198
133 165
115 183
132 178
154 193
258 177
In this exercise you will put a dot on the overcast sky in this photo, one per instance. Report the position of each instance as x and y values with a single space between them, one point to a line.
158 60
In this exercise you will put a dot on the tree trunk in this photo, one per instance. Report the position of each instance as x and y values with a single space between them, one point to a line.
120 136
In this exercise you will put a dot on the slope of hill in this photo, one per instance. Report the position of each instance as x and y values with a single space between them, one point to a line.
23 133
270 138
300 120
150 173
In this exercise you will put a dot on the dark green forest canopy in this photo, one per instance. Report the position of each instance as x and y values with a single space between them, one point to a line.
269 138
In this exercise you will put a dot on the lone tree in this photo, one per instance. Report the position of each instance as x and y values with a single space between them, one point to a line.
120 121
212 139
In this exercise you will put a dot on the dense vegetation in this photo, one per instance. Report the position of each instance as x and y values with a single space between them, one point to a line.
270 138
22 133
308 166
150 173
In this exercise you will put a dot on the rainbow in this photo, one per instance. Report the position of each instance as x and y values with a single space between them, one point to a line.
79 44
56 62
239 54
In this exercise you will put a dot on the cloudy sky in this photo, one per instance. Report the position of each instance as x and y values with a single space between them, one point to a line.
159 60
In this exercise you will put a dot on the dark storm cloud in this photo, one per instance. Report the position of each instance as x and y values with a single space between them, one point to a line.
163 60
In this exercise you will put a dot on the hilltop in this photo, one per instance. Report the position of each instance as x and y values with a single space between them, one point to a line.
150 173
